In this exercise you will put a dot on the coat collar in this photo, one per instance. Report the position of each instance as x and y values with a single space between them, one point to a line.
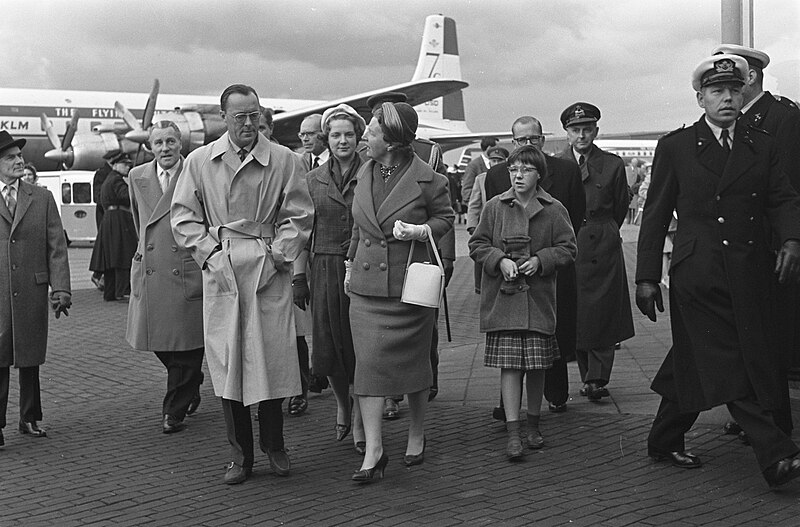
533 208
710 154
222 148
24 192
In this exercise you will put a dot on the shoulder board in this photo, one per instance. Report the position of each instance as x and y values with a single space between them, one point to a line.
785 101
681 129
424 141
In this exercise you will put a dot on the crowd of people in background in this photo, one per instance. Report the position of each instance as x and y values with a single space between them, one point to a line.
239 251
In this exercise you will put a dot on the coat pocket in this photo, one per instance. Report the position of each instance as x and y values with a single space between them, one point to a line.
680 251
192 280
218 279
41 278
136 275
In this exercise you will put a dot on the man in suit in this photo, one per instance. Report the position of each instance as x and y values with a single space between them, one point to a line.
315 151
165 314
34 257
563 182
781 118
476 166
604 307
722 178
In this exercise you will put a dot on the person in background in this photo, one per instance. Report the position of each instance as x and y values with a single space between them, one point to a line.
30 174
523 238
398 198
315 151
116 239
99 178
635 178
477 165
165 314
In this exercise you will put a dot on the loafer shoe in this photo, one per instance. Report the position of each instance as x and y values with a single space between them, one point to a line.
279 462
535 439
782 472
678 458
32 428
557 408
170 425
192 408
236 474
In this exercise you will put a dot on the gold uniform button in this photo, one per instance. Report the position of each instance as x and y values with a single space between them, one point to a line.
175 272
366 266
721 219
725 243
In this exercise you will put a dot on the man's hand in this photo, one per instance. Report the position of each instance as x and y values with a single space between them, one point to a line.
347 266
448 270
787 265
300 291
648 298
61 301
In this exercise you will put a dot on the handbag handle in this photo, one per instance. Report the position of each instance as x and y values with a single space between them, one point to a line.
432 244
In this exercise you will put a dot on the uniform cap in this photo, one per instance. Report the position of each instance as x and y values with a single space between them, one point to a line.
717 69
497 152
753 57
578 113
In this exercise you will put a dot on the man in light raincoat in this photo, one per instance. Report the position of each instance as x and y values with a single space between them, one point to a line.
243 209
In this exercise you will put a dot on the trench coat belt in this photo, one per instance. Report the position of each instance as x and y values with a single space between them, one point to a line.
243 229
118 207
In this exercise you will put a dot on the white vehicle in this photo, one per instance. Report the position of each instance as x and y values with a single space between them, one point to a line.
72 190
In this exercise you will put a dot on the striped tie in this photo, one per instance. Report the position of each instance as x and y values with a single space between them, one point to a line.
584 167
11 200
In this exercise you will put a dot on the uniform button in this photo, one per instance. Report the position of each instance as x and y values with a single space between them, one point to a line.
366 266
725 243
382 266
343 218
754 195
598 185
149 246
717 198
13 241
15 293
383 243
175 272
721 219
752 218
149 271
174 248
750 242
367 243
13 267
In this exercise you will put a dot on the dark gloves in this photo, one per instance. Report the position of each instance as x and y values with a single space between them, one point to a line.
648 298
61 301
300 291
448 270
787 265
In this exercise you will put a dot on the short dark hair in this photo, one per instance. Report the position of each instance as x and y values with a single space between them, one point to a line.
241 89
267 113
527 119
488 142
529 155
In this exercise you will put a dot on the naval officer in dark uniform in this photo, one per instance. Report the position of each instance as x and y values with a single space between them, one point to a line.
722 178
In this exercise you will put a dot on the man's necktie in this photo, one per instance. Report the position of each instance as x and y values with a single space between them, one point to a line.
163 179
315 164
584 168
725 137
11 200
242 154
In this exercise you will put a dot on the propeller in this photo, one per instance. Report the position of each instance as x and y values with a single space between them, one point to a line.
61 152
139 132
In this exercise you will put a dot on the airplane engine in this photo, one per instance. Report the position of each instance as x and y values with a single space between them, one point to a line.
196 128
87 149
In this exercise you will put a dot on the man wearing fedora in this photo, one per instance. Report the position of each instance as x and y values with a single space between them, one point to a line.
722 177
34 259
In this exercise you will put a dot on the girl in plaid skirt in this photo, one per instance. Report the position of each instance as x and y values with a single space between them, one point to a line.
523 237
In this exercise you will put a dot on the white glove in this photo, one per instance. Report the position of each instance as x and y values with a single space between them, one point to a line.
408 231
347 266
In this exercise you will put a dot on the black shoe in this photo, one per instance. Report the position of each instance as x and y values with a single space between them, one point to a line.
416 459
680 459
782 472
192 408
584 391
170 425
743 438
595 392
557 408
317 383
731 428
236 474
279 462
298 405
499 414
391 410
2 440
432 393
32 428
368 475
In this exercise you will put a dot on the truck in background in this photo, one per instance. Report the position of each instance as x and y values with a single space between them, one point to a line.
72 190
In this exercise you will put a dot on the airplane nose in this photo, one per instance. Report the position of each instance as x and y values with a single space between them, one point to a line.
61 156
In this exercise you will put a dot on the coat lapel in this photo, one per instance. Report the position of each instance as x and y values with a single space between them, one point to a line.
406 191
324 177
741 158
149 188
709 152
363 194
164 201
23 202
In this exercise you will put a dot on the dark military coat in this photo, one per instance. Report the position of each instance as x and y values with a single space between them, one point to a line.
721 262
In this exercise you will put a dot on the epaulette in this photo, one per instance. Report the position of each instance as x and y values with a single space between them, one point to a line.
785 101
682 128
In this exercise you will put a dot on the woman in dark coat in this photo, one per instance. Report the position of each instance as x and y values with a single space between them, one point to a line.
396 196
116 239
332 186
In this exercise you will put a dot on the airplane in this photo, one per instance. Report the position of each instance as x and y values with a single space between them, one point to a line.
75 129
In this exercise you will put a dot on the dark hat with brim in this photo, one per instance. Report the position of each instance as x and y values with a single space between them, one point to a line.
119 157
389 96
580 113
6 141
497 152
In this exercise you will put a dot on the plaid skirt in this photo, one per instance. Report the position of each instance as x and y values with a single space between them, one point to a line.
520 350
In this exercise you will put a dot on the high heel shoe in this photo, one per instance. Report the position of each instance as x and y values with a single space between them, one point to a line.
368 475
343 430
416 459
360 448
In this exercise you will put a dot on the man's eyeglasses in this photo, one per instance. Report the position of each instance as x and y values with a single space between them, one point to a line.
523 170
529 140
241 118
306 135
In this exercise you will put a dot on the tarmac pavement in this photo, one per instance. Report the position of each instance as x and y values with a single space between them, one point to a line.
106 462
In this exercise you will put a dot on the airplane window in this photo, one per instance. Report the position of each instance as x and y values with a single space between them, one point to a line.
66 193
82 192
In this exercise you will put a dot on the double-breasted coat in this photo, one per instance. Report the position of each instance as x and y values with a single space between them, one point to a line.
165 312
34 256
721 265
604 306
259 212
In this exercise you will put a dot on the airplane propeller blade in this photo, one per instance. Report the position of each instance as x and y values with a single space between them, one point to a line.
47 126
127 116
150 108
66 141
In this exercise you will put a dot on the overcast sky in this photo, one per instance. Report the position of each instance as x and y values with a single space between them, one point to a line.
632 58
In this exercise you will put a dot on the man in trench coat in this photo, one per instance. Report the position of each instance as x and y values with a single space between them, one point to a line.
722 177
242 208
165 314
34 256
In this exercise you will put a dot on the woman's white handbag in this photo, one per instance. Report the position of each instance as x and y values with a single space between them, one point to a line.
423 284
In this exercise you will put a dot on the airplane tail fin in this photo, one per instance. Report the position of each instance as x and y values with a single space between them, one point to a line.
438 58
